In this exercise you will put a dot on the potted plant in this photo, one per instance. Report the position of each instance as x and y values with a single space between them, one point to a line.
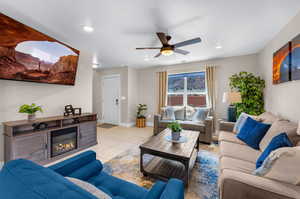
140 115
175 130
30 110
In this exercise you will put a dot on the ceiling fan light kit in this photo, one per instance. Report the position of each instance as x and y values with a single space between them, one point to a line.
168 49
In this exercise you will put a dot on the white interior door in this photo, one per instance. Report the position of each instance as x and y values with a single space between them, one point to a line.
111 99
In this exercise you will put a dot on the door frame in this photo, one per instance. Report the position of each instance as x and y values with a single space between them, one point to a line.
120 91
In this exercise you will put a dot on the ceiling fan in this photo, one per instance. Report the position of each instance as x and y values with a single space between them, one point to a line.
168 49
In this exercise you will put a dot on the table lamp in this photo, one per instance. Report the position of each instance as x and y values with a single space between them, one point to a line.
231 98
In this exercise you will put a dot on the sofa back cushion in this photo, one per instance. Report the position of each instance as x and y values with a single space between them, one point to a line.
252 132
268 117
282 165
280 126
25 179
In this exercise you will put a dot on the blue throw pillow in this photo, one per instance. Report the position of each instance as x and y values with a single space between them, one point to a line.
252 132
281 140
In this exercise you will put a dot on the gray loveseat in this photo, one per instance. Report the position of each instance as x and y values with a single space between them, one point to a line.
205 127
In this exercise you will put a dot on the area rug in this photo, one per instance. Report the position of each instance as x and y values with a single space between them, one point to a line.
203 180
107 126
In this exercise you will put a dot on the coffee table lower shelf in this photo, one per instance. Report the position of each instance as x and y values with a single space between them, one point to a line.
164 169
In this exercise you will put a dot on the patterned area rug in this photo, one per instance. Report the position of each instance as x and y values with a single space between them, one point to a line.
203 180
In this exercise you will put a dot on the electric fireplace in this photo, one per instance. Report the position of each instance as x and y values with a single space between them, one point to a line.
63 141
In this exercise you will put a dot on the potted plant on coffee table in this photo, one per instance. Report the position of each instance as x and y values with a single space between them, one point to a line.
140 115
175 130
30 110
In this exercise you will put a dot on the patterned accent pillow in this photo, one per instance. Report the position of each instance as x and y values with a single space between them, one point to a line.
168 113
89 188
282 165
201 114
241 121
189 112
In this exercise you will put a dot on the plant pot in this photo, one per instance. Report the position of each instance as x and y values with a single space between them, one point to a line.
31 117
175 135
141 122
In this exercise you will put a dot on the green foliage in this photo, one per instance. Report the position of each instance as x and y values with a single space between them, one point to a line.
174 126
251 89
30 109
141 111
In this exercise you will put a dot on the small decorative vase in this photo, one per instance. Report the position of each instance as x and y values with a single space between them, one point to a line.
175 135
31 117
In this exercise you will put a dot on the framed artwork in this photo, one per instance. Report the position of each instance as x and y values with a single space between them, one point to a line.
295 65
282 64
29 55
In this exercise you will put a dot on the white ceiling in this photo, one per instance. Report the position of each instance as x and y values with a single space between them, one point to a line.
240 26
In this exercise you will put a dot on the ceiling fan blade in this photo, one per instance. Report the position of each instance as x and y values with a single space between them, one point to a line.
188 42
162 37
148 48
183 52
159 54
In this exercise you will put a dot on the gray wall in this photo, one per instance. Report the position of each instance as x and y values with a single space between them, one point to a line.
282 99
51 97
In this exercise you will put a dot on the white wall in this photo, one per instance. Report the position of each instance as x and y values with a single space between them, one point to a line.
51 97
225 68
282 99
133 94
97 90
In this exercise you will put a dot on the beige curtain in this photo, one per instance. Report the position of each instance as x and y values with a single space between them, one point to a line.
162 90
211 90
211 87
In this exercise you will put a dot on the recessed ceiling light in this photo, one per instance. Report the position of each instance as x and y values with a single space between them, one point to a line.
88 28
219 47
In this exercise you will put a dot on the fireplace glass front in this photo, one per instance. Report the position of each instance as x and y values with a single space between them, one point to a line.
63 141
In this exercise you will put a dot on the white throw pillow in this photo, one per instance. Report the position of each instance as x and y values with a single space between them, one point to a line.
241 121
189 112
89 188
201 114
282 165
168 113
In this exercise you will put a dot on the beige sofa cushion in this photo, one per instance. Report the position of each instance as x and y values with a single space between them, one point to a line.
280 126
282 189
229 137
282 165
268 117
236 165
238 151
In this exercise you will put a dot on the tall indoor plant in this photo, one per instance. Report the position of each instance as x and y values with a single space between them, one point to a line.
251 89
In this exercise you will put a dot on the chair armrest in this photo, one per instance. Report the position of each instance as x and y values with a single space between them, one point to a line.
156 190
81 166
156 121
173 190
226 126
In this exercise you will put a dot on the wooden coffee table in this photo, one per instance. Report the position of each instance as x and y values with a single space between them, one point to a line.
171 160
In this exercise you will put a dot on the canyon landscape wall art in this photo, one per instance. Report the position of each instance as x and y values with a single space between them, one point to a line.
28 55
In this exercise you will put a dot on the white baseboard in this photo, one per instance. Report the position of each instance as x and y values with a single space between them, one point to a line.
149 124
130 124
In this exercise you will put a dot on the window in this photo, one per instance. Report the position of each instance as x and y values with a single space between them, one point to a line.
187 89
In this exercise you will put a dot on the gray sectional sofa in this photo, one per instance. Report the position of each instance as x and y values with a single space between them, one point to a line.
237 163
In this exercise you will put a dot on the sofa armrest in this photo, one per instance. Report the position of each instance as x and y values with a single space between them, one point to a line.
156 121
251 186
173 190
81 166
226 126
